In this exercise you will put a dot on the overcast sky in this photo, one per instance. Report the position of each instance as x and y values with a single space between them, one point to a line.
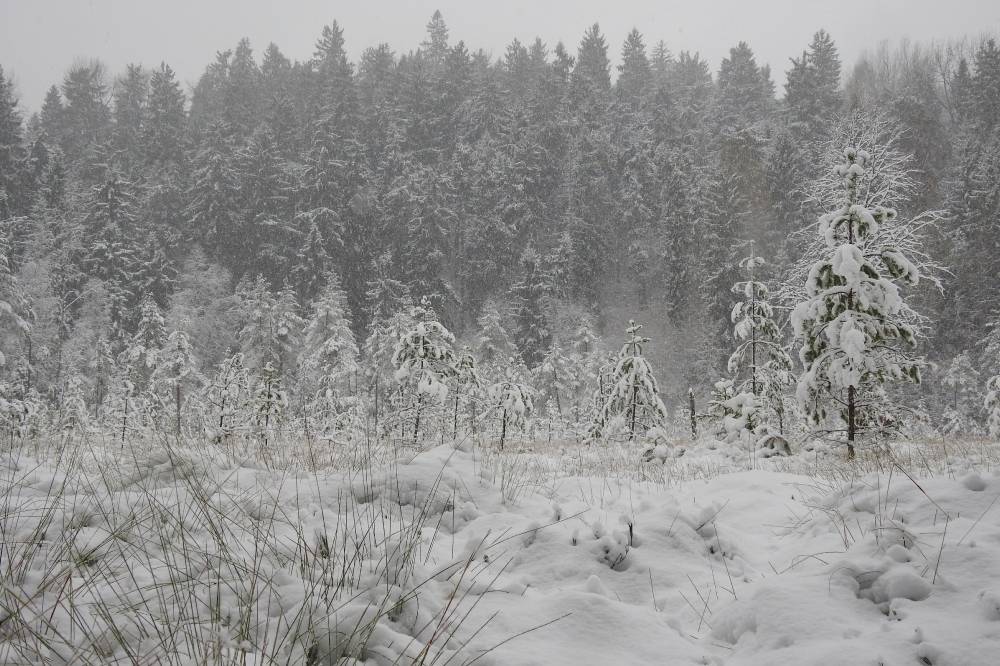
39 39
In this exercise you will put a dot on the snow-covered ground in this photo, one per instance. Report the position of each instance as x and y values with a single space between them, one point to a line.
458 556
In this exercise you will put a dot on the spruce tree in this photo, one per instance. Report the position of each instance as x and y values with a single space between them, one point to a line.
229 393
992 405
759 361
142 355
329 359
962 381
532 335
176 378
634 394
850 323
468 385
13 196
424 359
494 345
312 263
163 133
513 403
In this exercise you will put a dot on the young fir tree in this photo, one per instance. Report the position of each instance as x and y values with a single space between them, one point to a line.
270 401
532 335
468 384
850 323
229 395
634 394
424 360
143 352
494 345
759 362
329 350
962 380
176 375
992 405
512 401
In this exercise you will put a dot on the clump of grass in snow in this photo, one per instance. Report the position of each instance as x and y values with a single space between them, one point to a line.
171 555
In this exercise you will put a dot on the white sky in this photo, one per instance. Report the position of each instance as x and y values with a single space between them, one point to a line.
39 39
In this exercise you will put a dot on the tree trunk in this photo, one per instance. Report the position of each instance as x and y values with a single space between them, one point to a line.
376 405
503 429
851 422
416 424
694 421
555 378
635 405
124 421
177 405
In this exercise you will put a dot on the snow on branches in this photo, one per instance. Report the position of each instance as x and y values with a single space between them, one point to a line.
759 357
851 322
634 395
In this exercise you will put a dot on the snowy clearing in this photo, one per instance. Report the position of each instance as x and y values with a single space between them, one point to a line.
476 556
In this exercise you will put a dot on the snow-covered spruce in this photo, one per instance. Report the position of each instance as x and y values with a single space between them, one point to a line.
227 398
468 387
424 359
962 381
633 394
512 401
992 404
760 364
176 375
850 324
329 358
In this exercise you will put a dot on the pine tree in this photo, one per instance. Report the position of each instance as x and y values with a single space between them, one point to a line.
424 360
635 73
113 256
962 378
14 317
992 405
240 92
165 122
176 378
213 195
142 356
270 401
309 272
634 394
229 394
812 92
329 350
532 335
436 44
13 196
271 328
85 119
590 83
850 322
131 93
468 385
494 344
759 358
513 403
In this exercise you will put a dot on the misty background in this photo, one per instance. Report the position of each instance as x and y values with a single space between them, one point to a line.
39 37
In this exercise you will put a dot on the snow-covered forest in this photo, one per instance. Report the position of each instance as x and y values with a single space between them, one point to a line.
440 357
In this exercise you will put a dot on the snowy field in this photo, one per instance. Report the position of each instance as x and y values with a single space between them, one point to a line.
461 555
